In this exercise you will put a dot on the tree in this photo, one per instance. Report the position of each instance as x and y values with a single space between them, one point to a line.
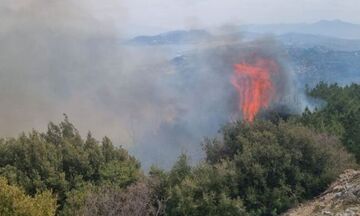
339 114
62 161
274 166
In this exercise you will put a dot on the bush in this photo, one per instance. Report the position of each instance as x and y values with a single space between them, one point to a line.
111 201
206 191
14 202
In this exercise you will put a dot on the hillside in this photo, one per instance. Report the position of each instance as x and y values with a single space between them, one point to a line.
316 64
311 65
341 198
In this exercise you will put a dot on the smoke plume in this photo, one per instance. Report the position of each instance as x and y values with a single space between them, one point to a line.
68 57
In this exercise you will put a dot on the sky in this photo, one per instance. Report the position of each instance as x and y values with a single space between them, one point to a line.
173 14
131 17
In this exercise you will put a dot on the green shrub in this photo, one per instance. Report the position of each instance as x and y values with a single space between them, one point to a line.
14 202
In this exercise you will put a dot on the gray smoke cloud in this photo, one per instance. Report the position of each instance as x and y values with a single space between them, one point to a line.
69 57
204 99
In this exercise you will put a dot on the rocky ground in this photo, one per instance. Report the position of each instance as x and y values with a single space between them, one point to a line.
341 199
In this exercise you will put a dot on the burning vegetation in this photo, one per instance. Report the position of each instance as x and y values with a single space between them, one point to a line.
253 83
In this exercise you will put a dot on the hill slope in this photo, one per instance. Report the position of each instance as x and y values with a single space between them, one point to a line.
342 198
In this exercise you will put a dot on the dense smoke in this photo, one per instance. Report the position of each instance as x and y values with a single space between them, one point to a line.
68 57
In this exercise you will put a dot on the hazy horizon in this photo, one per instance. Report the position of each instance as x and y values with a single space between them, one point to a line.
162 15
132 17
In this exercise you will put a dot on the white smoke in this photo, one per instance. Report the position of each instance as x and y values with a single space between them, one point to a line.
68 57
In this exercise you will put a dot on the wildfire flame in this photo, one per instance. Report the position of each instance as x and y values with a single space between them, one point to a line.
254 86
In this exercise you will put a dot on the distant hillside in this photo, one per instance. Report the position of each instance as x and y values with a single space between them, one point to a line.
316 64
311 65
309 41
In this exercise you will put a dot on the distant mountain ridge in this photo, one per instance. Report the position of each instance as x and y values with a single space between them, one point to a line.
172 37
331 28
289 39
330 34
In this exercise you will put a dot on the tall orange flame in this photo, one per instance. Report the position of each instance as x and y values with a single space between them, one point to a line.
254 86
